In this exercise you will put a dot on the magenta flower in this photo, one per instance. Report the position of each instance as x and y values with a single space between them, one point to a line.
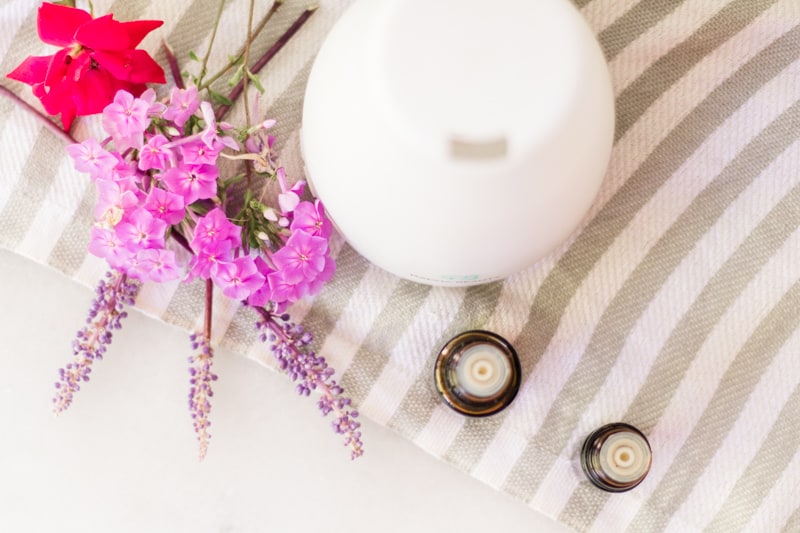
193 182
106 245
165 205
310 218
289 198
141 230
215 231
91 158
125 119
239 278
154 154
160 264
261 296
285 290
182 105
205 262
315 285
114 199
209 134
198 153
302 258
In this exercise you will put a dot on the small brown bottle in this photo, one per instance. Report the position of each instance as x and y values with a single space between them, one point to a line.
616 457
477 373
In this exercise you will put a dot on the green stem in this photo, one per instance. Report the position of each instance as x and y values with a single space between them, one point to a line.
203 69
240 54
246 78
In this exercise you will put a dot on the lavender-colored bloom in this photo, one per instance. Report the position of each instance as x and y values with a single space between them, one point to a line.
290 346
200 392
114 292
154 154
182 105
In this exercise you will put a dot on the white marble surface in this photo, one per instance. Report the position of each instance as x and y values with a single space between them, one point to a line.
123 458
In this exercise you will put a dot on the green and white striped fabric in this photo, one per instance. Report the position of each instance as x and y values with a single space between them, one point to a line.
675 307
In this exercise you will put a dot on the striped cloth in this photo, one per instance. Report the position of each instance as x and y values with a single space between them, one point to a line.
675 307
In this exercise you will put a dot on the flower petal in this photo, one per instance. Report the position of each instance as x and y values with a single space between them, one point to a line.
134 66
138 30
32 70
58 24
103 33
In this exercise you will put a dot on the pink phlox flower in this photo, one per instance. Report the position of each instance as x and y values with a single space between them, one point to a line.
125 119
182 105
209 134
154 154
289 197
205 262
124 171
238 279
193 182
141 230
315 285
114 200
302 258
199 153
215 231
261 296
283 290
160 264
165 205
134 267
310 218
91 158
105 244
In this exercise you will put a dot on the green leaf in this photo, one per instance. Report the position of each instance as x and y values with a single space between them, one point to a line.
68 3
193 56
255 81
219 98
237 76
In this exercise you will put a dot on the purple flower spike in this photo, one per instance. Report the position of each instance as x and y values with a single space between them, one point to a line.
114 292
290 346
200 392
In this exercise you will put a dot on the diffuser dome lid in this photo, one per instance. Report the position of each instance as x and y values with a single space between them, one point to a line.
457 141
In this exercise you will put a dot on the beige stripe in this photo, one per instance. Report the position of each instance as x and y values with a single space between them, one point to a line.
635 22
373 354
557 290
793 523
30 191
421 399
186 305
719 416
287 109
763 472
638 96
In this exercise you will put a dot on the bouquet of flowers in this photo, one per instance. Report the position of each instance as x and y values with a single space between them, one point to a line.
168 207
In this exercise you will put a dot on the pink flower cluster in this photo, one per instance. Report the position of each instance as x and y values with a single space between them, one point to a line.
164 160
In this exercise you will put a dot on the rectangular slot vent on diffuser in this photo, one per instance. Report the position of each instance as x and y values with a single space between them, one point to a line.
493 149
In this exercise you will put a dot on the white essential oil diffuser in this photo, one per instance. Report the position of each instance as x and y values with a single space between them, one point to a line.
455 142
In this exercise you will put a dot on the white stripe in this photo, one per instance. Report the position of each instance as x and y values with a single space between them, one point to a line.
780 502
603 13
744 440
440 431
704 374
500 457
659 40
411 354
17 139
669 305
356 319
13 15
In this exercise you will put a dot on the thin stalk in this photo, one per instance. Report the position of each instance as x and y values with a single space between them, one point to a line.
208 313
174 67
203 68
268 55
49 124
240 54
246 77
